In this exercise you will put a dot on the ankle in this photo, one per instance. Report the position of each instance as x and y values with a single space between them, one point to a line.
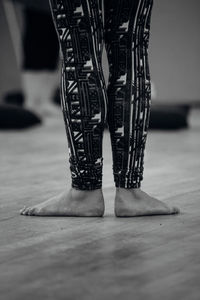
80 191
133 191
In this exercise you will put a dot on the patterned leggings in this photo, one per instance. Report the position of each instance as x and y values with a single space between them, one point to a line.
87 104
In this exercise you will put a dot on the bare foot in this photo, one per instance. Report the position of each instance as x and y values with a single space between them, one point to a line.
73 203
135 202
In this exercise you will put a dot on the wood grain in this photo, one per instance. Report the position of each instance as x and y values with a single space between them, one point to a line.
99 258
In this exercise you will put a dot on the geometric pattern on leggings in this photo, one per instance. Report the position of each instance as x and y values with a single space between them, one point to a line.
127 28
84 101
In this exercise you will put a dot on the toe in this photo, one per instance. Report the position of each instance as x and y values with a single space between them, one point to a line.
31 211
26 211
22 210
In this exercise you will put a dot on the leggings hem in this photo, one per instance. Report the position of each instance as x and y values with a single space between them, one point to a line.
86 186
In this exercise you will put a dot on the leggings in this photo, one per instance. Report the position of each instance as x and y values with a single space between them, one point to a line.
83 26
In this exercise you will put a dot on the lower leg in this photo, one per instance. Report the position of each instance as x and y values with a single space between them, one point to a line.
127 26
84 108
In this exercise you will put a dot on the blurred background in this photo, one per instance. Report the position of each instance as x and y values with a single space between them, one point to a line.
29 57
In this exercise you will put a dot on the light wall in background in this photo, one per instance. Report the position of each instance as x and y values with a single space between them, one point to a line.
175 50
9 73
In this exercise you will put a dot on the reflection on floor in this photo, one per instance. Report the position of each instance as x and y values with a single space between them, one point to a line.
99 258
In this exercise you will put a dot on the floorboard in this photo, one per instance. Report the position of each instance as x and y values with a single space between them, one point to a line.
99 258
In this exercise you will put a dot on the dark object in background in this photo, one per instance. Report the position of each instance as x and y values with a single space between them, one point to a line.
14 117
56 97
14 98
169 117
17 98
41 5
40 41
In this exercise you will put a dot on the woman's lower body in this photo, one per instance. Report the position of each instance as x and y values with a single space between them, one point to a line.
87 104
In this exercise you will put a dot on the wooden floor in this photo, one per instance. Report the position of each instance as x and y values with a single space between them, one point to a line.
99 258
